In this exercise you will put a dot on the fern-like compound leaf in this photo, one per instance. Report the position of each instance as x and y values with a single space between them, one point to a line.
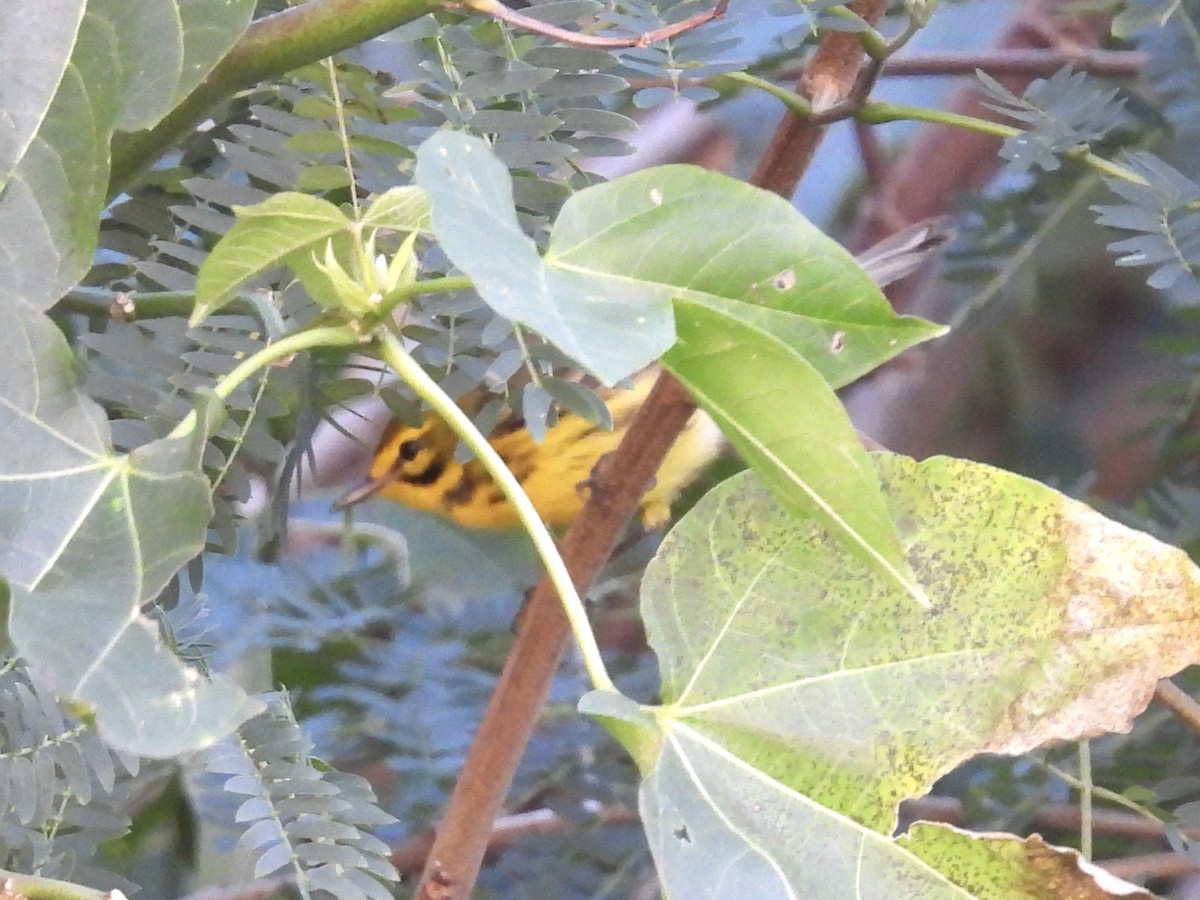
1162 215
1060 113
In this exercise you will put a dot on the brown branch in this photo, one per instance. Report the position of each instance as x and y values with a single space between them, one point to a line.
512 713
874 156
828 80
1179 702
411 856
509 720
1149 865
498 10
934 809
1069 817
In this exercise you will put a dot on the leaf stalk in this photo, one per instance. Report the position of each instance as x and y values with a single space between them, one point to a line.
442 404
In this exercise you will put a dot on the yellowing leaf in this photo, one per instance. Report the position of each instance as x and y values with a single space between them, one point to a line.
805 695
1000 865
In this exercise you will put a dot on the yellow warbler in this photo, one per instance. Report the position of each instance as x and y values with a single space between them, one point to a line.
416 465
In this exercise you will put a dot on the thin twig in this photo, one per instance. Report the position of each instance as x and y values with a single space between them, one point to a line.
828 80
1179 702
1035 63
412 854
498 10
1013 62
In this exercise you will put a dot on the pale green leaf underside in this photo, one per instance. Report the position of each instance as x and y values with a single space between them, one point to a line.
89 537
611 328
82 69
720 829
806 696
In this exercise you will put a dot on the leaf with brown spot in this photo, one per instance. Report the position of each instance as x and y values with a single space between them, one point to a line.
805 696
1001 865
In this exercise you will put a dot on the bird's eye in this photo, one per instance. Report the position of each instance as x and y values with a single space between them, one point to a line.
408 450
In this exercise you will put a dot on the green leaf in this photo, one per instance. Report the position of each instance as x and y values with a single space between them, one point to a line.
618 251
289 229
400 209
790 427
612 327
580 400
318 179
804 697
84 69
265 236
90 537
741 251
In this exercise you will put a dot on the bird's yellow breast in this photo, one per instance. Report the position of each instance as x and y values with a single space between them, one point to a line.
416 465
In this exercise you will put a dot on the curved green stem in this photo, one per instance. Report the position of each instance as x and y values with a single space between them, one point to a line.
877 113
310 339
880 112
100 302
429 391
402 295
790 99
1103 793
1085 800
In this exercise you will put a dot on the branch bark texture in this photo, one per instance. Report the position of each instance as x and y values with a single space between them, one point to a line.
462 837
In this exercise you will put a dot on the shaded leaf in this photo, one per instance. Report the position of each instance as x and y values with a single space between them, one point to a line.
88 539
1062 112
306 815
1161 213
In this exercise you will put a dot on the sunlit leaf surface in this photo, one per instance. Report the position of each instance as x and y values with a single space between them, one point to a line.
619 252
